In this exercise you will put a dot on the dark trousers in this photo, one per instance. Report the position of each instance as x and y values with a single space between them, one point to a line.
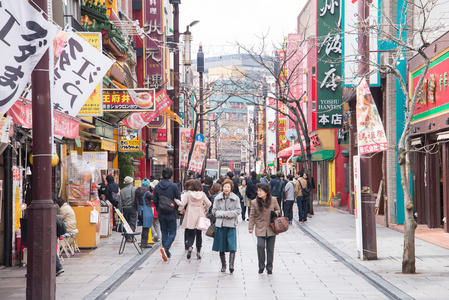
280 202
302 209
288 209
168 230
191 235
58 264
130 215
268 244
242 204
145 234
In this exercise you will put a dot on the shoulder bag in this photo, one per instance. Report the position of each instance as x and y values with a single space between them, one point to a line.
279 224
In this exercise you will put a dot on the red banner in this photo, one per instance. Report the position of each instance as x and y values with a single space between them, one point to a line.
138 120
65 125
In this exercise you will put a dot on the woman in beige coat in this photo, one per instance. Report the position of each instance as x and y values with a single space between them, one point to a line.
263 210
197 205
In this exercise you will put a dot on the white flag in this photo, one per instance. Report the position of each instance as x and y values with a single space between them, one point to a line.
78 71
24 37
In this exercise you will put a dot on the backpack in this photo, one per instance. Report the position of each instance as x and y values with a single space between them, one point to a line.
115 199
166 205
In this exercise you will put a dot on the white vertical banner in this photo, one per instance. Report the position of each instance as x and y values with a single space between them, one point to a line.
358 205
24 37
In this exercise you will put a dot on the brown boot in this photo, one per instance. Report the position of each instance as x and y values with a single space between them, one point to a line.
223 262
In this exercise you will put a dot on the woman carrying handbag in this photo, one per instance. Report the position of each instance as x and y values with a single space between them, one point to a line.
263 210
197 203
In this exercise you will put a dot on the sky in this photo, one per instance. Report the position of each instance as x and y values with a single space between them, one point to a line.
224 23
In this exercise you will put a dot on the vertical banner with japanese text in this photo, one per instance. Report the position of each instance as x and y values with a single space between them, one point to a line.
370 131
24 37
282 127
185 135
358 204
329 106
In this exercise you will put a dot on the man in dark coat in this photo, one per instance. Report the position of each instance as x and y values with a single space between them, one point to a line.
251 188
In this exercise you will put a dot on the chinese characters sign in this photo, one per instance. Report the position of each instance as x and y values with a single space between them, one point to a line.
129 139
370 132
153 47
128 100
24 37
329 73
78 70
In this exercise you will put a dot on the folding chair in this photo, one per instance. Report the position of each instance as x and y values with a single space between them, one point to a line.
64 246
127 237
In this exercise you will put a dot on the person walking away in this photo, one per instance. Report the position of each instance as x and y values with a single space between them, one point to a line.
301 201
166 191
110 192
275 188
155 226
289 198
282 191
197 205
226 210
244 203
251 188
263 210
144 200
310 186
127 202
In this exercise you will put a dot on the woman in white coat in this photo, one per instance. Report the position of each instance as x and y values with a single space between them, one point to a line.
197 205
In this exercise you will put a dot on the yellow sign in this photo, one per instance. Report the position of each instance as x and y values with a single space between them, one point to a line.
93 105
108 145
129 139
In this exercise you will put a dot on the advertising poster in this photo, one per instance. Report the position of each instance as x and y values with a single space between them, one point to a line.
93 105
198 155
129 139
358 204
185 135
128 100
370 131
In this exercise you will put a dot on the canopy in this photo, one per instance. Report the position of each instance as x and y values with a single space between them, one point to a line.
286 153
317 156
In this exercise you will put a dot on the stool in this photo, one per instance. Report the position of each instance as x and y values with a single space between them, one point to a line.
132 237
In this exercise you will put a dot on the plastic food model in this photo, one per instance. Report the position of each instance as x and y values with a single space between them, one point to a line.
136 121
144 100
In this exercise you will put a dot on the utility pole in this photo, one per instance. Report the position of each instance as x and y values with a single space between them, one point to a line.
176 145
368 199
41 268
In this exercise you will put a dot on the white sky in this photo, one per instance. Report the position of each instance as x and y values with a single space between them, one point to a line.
223 22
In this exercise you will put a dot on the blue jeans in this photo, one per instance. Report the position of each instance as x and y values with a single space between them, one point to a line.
302 208
168 230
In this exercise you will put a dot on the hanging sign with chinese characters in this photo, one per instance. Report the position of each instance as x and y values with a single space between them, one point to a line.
128 100
78 70
370 131
24 37
329 106
153 47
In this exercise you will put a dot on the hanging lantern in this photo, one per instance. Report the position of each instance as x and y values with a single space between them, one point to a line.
54 159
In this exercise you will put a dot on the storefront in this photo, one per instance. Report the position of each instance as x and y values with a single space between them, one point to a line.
430 137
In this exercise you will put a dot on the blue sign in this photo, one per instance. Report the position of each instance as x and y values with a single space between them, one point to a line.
199 137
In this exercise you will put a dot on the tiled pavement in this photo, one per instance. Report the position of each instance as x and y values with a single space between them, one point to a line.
313 260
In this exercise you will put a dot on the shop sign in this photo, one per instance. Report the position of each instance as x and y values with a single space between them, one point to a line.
93 105
103 129
370 131
153 48
129 139
65 125
329 72
25 36
98 158
108 145
79 68
161 135
157 122
138 120
433 98
198 155
282 129
128 100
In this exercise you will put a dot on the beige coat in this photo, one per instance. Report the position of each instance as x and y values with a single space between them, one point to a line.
298 189
197 203
261 219
68 217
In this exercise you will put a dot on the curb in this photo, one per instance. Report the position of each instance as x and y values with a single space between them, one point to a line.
103 290
389 290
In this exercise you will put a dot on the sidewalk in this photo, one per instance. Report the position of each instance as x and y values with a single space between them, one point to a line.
432 262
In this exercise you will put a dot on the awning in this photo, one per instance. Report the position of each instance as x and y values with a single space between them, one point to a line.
286 153
172 116
271 164
317 156
442 136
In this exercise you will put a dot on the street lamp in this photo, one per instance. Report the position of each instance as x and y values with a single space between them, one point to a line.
187 41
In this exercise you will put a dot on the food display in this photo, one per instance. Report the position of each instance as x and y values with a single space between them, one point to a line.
144 100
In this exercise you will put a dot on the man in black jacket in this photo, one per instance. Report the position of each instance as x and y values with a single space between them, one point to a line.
251 188
275 187
166 189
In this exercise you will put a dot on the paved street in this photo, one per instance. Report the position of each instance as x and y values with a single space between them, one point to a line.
316 260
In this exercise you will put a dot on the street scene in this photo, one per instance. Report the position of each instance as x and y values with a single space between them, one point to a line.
168 149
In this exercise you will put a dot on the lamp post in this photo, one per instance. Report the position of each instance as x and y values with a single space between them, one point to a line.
176 165
187 44
200 69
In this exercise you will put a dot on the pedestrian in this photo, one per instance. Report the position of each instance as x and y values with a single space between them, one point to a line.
111 193
235 190
275 188
263 178
167 189
301 201
289 198
282 191
182 210
310 186
208 182
226 210
127 203
251 188
67 215
144 200
197 204
263 210
155 227
244 203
